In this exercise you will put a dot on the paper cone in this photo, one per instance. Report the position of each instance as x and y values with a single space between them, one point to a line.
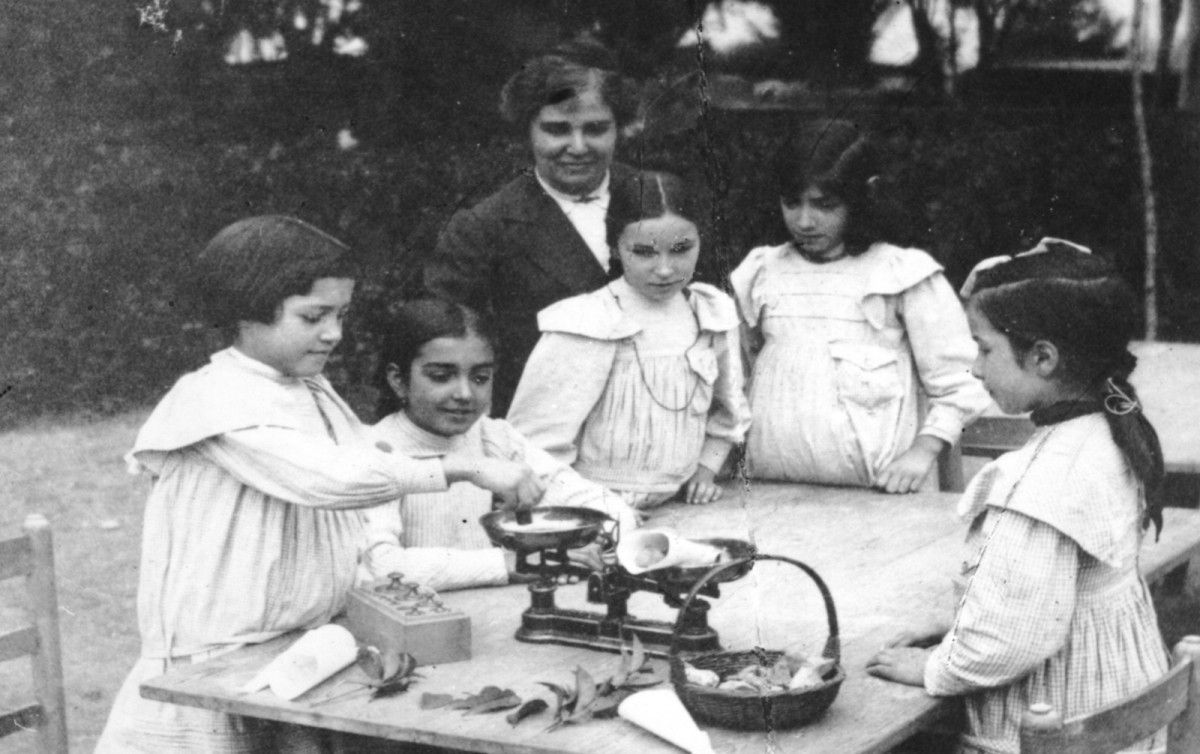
660 712
314 657
651 549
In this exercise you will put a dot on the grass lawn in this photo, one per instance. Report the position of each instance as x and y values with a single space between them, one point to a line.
72 472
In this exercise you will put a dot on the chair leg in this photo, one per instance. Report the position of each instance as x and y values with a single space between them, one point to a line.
1176 579
49 680
1185 731
950 469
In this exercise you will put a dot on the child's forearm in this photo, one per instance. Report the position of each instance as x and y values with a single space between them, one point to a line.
291 466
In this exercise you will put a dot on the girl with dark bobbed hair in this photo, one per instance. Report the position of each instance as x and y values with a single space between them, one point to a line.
260 473
859 348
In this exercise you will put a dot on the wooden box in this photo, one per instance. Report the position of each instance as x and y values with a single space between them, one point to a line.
403 617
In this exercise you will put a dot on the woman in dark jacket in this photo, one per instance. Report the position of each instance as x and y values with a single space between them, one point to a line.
541 237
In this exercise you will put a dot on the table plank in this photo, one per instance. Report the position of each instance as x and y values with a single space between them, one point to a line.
886 559
1167 379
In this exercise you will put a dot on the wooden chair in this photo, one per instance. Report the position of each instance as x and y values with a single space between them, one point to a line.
32 556
1173 700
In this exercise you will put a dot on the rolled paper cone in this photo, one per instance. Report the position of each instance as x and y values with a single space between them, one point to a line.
634 545
660 712
314 657
677 551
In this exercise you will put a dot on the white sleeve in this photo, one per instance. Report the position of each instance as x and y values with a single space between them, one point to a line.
440 568
563 380
307 470
943 353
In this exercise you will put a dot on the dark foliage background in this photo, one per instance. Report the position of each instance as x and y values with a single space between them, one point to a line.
125 149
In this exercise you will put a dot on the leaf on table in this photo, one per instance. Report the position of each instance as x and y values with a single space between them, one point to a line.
508 700
531 707
585 695
606 706
435 701
638 655
645 677
563 698
486 694
392 687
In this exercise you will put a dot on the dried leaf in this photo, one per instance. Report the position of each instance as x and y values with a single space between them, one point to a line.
585 695
531 707
370 659
638 660
505 701
606 707
435 701
392 687
648 677
562 696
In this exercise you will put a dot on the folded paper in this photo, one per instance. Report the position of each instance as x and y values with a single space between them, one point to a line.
315 656
651 549
660 712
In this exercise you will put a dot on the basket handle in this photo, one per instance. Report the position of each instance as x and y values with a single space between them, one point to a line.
833 647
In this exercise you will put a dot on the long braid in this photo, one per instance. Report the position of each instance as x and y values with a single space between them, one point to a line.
1138 440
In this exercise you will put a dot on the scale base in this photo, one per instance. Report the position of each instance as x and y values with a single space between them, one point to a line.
580 628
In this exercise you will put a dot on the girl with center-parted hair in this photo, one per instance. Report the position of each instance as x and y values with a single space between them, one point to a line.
859 349
541 237
438 364
638 385
1052 608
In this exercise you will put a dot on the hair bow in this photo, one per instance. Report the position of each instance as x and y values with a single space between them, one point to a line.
1043 246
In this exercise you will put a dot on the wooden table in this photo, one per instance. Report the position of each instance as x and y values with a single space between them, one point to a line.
886 559
1168 381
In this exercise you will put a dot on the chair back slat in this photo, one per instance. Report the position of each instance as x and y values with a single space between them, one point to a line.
33 556
14 557
1120 725
1172 702
993 436
1185 731
18 643
27 718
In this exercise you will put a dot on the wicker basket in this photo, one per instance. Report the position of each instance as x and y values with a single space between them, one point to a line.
749 710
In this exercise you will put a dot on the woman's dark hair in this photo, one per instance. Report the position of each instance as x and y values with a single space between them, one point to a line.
563 74
1076 301
249 268
839 159
646 196
409 326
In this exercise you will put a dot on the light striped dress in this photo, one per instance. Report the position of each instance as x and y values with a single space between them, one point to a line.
850 350
627 411
1053 608
435 538
252 529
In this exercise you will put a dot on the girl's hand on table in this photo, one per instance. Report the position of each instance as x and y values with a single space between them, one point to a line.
900 664
701 489
908 471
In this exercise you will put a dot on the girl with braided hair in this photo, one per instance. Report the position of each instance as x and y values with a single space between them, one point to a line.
1053 608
